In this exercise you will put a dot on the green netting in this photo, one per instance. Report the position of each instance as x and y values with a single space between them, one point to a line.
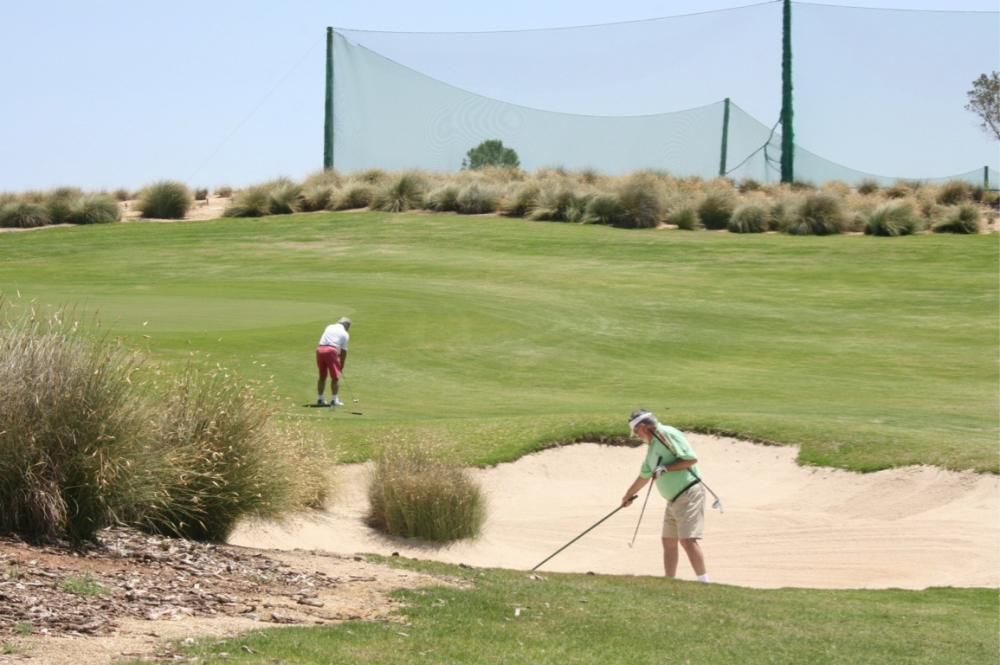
867 88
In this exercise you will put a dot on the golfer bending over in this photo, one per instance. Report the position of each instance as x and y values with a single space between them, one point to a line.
331 356
671 462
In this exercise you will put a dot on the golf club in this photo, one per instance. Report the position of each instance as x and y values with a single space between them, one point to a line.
652 481
634 497
717 504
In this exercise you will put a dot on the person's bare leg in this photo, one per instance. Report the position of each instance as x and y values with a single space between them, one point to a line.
334 387
694 554
320 387
670 556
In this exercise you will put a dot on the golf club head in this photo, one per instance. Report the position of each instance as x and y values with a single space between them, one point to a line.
718 506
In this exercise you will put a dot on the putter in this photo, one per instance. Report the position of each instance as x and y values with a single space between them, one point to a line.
583 534
717 504
652 481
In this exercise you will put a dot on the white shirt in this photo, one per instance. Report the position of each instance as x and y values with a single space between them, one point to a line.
336 335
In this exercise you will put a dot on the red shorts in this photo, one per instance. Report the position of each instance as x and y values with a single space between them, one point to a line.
328 362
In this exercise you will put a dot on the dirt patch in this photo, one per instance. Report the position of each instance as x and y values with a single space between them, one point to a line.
131 594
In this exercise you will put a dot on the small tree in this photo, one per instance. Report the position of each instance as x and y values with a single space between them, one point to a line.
490 153
984 101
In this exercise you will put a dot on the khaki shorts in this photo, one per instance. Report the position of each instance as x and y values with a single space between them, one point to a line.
685 516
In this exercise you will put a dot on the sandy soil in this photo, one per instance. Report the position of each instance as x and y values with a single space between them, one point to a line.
784 525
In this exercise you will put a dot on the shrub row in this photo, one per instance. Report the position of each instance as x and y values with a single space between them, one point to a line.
86 441
60 206
644 199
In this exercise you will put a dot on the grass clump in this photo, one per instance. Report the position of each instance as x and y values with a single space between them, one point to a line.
444 198
749 218
416 493
716 209
642 202
83 585
685 217
404 193
225 460
94 209
166 199
24 215
604 209
477 198
86 443
961 219
553 203
282 196
894 218
954 192
70 428
357 195
819 214
251 202
60 203
522 199
868 186
317 197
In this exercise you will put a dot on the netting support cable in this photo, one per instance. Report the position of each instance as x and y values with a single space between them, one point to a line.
787 132
767 159
328 111
725 138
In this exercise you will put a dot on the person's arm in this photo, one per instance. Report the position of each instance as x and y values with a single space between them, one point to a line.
343 359
680 464
633 489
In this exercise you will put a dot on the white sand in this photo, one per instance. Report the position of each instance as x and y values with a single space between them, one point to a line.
784 525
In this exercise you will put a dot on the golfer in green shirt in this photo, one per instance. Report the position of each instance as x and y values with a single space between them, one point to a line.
671 463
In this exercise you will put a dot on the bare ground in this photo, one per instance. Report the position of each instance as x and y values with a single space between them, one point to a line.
133 595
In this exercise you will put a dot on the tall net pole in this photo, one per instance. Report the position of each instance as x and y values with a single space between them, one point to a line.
725 139
328 115
787 131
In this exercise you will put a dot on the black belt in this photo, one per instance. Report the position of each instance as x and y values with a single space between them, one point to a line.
686 488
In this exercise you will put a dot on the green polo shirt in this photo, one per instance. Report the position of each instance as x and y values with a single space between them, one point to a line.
670 483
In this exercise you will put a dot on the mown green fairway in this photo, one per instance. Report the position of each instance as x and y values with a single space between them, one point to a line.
642 620
499 336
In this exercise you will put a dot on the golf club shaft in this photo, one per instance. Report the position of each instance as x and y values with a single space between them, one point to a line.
652 481
596 524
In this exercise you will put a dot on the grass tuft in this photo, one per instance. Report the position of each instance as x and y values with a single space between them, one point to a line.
166 199
24 215
94 209
716 209
416 493
642 202
749 218
961 219
894 218
819 214
405 192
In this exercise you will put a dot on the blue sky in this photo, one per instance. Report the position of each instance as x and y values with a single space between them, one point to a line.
111 94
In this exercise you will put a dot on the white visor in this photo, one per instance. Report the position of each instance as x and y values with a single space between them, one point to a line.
641 418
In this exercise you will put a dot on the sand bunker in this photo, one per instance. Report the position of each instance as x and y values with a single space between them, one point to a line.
784 525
